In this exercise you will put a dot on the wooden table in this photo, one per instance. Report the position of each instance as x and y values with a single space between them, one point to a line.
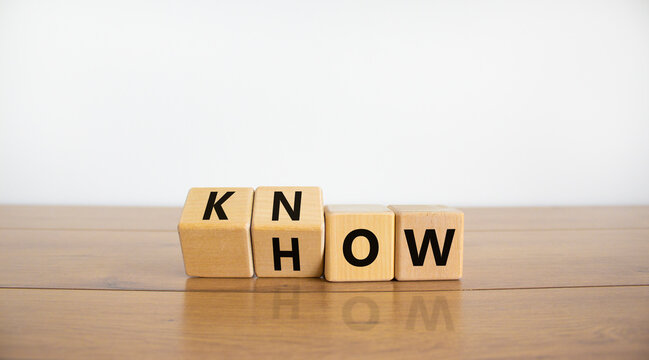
108 282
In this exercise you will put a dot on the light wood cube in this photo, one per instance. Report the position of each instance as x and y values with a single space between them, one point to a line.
288 231
214 232
359 243
429 242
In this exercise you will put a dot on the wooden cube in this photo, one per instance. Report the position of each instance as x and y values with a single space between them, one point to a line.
288 231
429 242
214 232
359 243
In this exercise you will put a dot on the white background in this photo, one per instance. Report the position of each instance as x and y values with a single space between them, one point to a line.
457 102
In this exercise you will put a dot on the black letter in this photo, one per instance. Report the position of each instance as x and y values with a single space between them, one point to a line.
429 237
347 247
294 253
294 213
216 205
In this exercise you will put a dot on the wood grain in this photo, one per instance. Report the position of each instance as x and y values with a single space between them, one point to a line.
476 218
574 285
556 218
89 217
139 260
546 323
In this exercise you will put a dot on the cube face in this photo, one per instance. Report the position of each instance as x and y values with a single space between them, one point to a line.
359 243
288 231
429 242
214 232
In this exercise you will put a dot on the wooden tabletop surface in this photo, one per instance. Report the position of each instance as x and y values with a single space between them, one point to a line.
108 282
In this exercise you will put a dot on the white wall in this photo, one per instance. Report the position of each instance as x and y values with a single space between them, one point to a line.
458 102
